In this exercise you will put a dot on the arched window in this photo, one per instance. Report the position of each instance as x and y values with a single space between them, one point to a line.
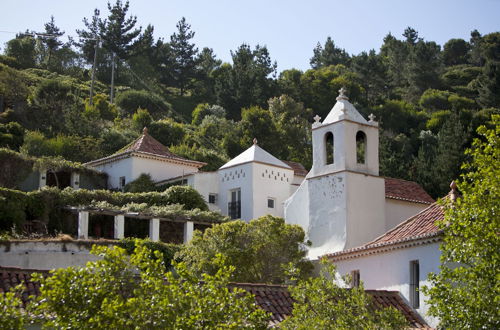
361 147
329 148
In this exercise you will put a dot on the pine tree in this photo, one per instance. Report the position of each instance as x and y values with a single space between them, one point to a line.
184 55
328 55
52 41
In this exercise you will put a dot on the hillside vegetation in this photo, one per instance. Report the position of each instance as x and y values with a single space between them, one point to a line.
428 98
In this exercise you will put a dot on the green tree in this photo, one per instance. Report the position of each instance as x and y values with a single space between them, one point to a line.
258 123
292 123
320 303
489 80
23 49
12 315
137 292
51 40
143 183
141 119
465 293
184 56
187 196
456 51
131 100
328 55
262 251
167 131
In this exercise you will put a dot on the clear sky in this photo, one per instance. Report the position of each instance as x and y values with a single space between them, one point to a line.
289 28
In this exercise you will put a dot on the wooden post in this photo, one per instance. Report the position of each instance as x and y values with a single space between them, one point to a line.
119 226
83 225
154 230
188 231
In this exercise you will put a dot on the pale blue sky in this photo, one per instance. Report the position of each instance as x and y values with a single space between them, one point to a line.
290 29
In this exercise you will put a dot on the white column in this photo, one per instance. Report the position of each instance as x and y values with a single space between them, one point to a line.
42 182
83 225
75 180
119 226
188 231
154 230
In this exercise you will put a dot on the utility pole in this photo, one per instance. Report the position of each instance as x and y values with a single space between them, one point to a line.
112 94
97 44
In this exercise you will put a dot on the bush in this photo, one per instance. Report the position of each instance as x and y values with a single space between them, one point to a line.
13 204
142 184
168 250
131 100
14 168
167 131
187 196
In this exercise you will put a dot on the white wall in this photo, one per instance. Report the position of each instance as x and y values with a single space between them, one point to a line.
365 208
397 211
117 169
159 170
270 182
230 178
206 183
391 271
45 255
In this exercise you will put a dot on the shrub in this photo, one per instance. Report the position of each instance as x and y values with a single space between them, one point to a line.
13 204
167 250
131 100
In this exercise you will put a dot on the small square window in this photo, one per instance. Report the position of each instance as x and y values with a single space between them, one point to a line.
270 203
212 198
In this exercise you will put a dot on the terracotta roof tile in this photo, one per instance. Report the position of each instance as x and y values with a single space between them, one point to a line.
11 277
276 299
298 168
420 225
148 145
406 190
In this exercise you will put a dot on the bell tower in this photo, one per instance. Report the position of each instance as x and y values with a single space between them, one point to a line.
345 141
341 204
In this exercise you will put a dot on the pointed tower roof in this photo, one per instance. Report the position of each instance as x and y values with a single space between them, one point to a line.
255 154
148 146
343 109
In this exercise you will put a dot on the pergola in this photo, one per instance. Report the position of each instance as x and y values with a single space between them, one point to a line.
119 222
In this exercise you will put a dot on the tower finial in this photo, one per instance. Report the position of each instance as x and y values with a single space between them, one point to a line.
145 131
342 95
454 191
255 141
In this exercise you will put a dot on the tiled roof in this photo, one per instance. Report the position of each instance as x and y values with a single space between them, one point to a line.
420 226
406 190
298 168
148 145
276 299
10 277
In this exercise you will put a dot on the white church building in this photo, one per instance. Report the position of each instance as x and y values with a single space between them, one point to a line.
380 230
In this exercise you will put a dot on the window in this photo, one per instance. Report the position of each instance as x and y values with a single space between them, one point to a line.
355 278
234 206
414 284
212 198
270 203
122 182
361 147
329 148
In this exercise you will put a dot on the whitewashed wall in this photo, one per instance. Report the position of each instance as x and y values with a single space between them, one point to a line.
270 182
391 271
45 255
117 169
206 183
239 176
397 211
159 170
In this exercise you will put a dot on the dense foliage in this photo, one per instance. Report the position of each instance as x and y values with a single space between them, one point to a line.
12 316
47 205
465 294
429 99
320 303
137 292
264 250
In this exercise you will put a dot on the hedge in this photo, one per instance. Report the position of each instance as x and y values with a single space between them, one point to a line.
47 204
